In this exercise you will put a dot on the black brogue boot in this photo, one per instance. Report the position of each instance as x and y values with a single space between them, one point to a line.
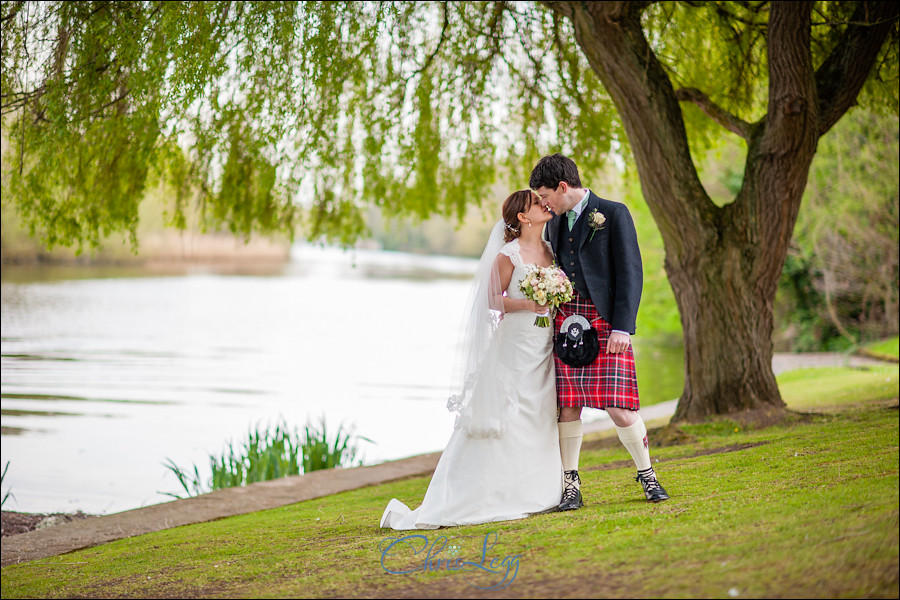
571 498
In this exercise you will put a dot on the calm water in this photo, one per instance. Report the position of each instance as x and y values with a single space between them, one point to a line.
108 373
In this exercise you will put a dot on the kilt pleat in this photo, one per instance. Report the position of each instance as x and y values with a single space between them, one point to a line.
608 381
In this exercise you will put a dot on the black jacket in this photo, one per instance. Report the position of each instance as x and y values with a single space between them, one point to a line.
610 261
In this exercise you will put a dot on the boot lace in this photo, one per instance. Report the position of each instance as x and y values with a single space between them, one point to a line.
650 483
570 494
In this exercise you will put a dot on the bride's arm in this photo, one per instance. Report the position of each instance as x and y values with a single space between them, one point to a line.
505 270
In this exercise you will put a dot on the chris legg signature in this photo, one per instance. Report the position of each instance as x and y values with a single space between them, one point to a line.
399 550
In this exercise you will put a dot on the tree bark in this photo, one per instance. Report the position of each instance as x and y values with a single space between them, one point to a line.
723 263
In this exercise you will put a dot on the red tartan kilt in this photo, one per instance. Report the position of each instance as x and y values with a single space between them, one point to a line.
608 381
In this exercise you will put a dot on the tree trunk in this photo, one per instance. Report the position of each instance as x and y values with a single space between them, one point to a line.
723 263
727 322
727 292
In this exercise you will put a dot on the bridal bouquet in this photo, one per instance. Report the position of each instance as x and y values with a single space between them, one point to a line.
548 286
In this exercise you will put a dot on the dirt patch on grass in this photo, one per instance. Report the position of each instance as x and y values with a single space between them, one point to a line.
668 435
621 464
729 448
14 523
671 435
761 418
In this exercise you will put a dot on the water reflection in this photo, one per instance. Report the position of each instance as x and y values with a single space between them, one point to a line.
106 373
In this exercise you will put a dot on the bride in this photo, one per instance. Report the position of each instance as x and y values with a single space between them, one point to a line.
502 461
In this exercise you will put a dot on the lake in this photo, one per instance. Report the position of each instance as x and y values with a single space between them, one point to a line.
109 372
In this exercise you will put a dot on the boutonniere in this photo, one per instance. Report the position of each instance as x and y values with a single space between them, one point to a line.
596 220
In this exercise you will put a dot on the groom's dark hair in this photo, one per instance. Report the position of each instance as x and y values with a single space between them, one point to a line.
552 169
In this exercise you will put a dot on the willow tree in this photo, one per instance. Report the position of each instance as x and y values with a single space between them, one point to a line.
264 114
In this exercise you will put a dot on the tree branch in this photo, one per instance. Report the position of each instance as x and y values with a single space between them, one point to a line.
561 8
123 95
725 11
715 112
13 101
840 78
613 42
11 14
430 58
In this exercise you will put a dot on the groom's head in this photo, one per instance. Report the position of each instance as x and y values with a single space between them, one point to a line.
555 179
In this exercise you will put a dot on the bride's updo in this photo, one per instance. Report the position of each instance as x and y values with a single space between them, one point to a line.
518 202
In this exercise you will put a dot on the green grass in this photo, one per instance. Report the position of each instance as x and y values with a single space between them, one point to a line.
805 389
806 509
885 349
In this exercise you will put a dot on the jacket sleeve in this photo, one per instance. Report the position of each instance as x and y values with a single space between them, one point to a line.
629 271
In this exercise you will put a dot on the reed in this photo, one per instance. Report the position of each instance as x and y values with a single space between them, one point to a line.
8 493
271 453
319 453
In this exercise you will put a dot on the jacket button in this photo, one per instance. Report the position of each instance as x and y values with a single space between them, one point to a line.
571 252
571 240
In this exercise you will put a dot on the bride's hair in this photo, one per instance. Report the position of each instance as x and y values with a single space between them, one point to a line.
517 202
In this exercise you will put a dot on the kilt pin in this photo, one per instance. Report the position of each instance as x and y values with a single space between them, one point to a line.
609 381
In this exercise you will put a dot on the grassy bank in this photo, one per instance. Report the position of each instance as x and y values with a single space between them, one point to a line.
888 349
805 509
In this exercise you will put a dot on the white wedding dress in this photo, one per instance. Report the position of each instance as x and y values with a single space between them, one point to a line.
519 473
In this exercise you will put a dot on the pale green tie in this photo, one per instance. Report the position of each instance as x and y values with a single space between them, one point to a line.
573 216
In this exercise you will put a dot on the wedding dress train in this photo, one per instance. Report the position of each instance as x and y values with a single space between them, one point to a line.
518 473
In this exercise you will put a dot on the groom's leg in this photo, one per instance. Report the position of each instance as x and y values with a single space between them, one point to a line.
633 435
570 436
569 413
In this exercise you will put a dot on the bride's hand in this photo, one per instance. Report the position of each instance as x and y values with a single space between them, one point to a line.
535 307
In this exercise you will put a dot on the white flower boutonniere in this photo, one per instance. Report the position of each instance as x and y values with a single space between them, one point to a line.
596 220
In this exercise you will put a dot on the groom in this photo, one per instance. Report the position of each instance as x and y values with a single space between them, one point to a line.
594 241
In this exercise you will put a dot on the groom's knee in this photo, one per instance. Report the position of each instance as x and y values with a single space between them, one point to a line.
569 413
622 417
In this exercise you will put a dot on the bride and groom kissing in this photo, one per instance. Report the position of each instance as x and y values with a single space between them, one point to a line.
517 438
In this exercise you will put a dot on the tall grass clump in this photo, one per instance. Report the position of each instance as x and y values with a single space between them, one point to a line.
272 453
319 453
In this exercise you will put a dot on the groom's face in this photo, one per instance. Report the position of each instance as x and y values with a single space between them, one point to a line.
554 199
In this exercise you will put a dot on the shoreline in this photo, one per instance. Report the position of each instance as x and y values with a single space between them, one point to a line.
165 247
